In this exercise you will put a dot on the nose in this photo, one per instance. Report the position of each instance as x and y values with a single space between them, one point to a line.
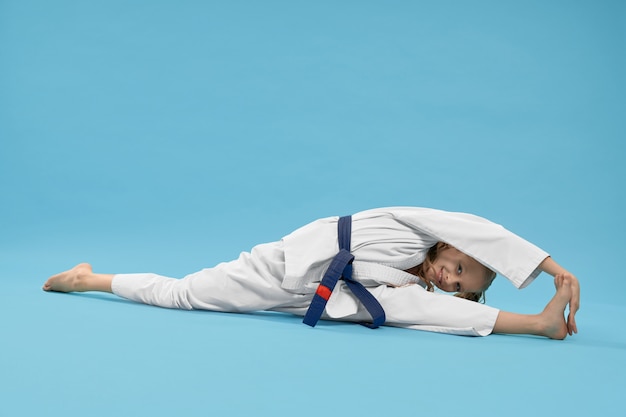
451 281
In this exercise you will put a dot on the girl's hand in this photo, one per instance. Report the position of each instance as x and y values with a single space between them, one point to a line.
574 302
559 273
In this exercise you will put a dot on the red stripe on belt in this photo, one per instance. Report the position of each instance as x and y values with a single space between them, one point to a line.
323 291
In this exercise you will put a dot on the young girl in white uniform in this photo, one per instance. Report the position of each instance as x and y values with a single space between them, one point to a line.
401 254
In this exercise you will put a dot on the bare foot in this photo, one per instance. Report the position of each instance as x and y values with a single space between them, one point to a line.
553 316
68 281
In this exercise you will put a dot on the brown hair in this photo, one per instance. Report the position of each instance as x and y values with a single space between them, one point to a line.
431 256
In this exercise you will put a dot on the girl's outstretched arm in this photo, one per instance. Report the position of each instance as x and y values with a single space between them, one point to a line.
551 267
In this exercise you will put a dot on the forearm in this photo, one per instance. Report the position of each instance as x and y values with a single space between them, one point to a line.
549 266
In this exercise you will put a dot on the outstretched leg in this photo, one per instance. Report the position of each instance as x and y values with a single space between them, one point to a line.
80 278
549 323
250 283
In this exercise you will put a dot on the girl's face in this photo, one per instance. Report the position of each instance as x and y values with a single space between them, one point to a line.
454 271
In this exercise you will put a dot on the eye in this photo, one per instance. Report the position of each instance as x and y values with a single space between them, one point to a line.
458 287
459 269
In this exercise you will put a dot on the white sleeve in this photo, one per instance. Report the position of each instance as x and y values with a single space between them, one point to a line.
399 237
489 243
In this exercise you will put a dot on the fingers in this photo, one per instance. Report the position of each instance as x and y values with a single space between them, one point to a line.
558 281
574 305
574 302
571 318
571 324
569 280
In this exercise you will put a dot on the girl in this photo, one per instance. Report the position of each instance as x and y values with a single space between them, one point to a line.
400 255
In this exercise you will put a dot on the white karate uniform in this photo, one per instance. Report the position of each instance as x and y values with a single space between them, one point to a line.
284 275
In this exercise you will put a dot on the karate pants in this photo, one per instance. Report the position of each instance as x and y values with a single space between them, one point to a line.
253 283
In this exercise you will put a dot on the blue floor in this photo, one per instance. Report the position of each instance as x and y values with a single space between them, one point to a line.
169 136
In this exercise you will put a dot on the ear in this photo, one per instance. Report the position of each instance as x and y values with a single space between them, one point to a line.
442 246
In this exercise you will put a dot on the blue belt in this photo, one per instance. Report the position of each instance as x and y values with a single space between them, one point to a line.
341 268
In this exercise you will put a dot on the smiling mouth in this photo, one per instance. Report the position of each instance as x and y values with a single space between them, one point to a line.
440 277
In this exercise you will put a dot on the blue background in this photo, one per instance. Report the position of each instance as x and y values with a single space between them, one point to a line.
168 136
